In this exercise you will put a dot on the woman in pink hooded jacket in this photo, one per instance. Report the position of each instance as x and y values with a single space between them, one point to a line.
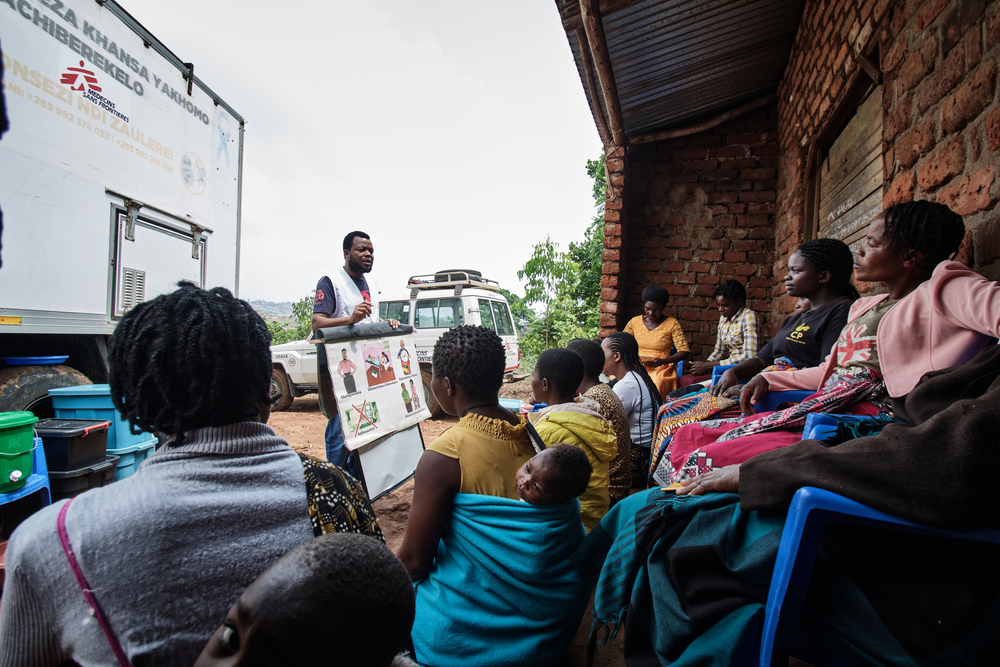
935 314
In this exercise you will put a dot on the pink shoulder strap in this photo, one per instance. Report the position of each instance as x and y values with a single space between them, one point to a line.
109 634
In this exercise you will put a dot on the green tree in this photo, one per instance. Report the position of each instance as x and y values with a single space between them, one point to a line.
550 275
300 326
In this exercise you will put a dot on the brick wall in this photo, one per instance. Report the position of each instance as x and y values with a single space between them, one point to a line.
821 67
700 210
942 118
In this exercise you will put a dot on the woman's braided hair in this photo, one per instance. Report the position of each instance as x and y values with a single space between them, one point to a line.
626 345
189 359
833 256
929 228
732 290
472 357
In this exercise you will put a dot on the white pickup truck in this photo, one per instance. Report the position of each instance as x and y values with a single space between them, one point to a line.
435 303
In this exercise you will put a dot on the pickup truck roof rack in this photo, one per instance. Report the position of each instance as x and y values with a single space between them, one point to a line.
457 280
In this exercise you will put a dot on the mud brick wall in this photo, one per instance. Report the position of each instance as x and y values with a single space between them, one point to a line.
700 210
941 126
822 64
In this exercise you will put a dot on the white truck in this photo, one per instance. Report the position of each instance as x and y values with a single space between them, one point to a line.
435 303
121 174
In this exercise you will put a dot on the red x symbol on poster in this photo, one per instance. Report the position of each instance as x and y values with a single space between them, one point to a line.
363 416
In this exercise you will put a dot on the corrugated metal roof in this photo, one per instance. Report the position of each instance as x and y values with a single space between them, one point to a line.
676 62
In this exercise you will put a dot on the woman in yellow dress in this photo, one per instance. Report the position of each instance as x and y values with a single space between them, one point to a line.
656 334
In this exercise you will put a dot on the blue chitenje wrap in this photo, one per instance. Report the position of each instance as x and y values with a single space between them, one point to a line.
503 589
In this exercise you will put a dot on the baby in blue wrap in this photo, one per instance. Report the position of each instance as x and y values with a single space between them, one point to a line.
558 474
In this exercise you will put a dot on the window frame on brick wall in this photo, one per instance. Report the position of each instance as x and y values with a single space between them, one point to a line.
865 80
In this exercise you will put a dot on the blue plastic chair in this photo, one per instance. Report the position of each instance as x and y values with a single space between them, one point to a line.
770 401
810 512
719 370
38 481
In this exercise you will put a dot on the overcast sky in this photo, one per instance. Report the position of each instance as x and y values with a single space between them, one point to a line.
454 132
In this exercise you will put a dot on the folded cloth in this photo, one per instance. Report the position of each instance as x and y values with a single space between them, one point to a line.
503 590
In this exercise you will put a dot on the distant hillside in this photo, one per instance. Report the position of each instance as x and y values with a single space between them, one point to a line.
281 309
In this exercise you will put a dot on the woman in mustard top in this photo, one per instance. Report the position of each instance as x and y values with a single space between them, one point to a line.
656 334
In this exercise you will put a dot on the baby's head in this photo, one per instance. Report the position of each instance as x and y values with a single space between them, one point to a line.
323 593
558 474
802 305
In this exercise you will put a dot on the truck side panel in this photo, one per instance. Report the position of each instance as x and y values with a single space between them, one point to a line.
98 118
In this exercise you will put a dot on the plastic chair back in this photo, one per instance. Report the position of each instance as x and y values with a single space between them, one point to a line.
719 370
771 400
810 512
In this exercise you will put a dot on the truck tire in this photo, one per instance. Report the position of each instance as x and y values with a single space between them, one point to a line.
27 387
429 400
279 385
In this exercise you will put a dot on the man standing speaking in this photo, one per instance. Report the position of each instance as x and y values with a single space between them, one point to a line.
346 298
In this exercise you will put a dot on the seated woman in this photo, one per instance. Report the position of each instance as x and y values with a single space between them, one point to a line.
935 314
656 334
638 395
877 596
494 583
577 421
620 468
166 551
819 274
738 336
818 270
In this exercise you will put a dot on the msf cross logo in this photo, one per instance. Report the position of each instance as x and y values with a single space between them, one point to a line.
85 77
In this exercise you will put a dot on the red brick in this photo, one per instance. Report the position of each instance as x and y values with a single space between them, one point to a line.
684 254
943 80
745 270
734 257
971 97
927 14
768 195
610 268
897 120
917 65
691 154
609 294
699 267
893 57
609 281
972 132
612 204
678 243
685 279
750 174
748 245
970 194
737 208
759 257
721 174
612 216
993 28
701 165
765 149
609 323
762 209
729 151
966 252
993 130
704 290
943 166
706 279
614 164
611 255
711 256
988 242
659 253
974 46
725 269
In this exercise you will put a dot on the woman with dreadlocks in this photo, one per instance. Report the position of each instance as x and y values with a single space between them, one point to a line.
166 551
935 314
660 338
638 394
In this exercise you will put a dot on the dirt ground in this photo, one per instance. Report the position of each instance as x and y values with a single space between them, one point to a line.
302 425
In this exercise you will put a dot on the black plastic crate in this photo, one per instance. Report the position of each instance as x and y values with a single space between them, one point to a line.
66 484
71 444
